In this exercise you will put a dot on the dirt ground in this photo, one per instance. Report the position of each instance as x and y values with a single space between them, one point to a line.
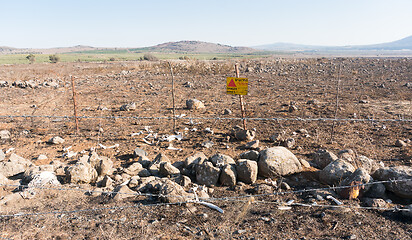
345 88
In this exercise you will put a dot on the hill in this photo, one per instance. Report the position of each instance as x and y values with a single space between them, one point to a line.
198 47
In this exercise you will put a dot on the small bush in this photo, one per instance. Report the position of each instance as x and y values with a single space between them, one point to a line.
150 57
31 58
112 59
54 58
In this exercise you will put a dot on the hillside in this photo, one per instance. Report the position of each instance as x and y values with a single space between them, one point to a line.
198 47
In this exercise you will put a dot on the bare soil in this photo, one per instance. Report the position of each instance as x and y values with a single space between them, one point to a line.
345 88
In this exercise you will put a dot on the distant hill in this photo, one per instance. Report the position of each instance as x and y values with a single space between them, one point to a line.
78 48
403 44
198 47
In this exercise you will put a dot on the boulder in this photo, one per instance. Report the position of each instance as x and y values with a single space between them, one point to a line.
167 169
220 160
104 167
31 172
3 179
322 158
5 134
228 175
243 134
194 104
376 190
81 173
278 161
247 170
207 174
368 164
133 169
251 155
9 169
347 155
121 192
173 193
128 107
138 152
335 172
56 140
401 188
16 159
196 158
134 181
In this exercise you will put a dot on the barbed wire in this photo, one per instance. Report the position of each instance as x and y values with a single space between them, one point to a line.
214 118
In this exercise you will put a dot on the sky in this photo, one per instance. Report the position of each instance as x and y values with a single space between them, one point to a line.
127 23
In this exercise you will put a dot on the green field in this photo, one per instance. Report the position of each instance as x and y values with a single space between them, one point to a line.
123 55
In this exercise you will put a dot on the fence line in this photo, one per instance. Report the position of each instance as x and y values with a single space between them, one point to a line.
213 118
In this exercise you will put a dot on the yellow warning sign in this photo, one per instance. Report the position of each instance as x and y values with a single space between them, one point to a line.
236 86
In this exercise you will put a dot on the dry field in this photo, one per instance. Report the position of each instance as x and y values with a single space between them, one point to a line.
318 88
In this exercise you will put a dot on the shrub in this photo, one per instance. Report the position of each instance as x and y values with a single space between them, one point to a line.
112 59
150 57
54 58
31 58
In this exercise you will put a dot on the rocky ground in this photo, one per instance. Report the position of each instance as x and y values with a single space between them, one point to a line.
126 172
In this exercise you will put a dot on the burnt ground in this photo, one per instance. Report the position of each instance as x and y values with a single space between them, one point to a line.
365 88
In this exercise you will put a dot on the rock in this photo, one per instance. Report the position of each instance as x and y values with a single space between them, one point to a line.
56 140
145 161
133 169
347 155
194 104
5 134
16 159
172 192
207 174
252 145
9 169
155 164
43 178
138 152
293 108
134 182
220 160
128 107
3 179
144 173
288 143
368 164
185 181
122 192
251 155
14 198
93 159
376 190
242 134
247 170
42 157
2 155
403 188
228 175
207 144
278 161
400 143
167 169
227 112
105 167
304 163
374 202
262 189
322 158
359 176
106 182
196 158
285 186
302 131
81 173
277 137
31 172
336 171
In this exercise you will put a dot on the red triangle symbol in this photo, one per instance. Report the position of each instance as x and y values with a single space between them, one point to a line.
232 83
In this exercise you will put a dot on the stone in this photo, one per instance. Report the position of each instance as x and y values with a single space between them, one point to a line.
138 152
14 198
56 140
247 170
106 182
359 176
304 163
5 134
133 169
134 182
185 181
402 188
220 160
207 144
376 190
93 159
335 172
16 159
42 157
242 134
9 169
251 155
81 173
30 173
44 178
196 158
347 155
105 167
128 107
288 143
207 174
167 169
144 173
277 137
194 104
262 189
228 175
400 143
2 155
322 158
374 202
368 164
122 192
145 161
227 111
252 145
278 161
3 179
173 193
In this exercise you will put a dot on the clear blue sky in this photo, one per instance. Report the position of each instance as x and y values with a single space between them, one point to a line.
127 23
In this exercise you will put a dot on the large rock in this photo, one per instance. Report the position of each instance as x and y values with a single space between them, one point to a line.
401 188
247 170
31 172
335 172
194 104
138 152
207 174
322 158
167 169
251 155
4 134
56 140
81 173
9 169
359 176
228 175
133 169
196 158
243 134
368 164
3 179
278 161
220 160
172 192
16 159
121 192
104 167
347 155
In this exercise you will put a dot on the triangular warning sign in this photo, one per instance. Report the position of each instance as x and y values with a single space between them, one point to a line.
231 83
